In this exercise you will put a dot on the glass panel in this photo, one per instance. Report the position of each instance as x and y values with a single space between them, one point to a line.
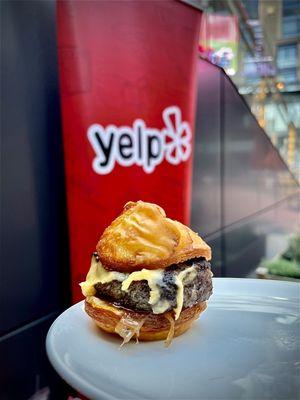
288 75
206 204
291 26
287 56
290 7
251 7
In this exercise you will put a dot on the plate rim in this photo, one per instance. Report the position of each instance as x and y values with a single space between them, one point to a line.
66 374
93 392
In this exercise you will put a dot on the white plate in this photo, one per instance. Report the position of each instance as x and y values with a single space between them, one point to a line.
246 345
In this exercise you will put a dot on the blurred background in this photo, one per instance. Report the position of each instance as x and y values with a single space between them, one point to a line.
244 197
256 106
257 44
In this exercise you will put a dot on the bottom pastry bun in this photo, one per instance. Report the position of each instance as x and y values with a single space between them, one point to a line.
143 326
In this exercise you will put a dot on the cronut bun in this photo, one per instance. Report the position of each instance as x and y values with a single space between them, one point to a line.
143 237
154 326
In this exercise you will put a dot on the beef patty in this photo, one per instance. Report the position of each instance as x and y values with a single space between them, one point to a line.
137 297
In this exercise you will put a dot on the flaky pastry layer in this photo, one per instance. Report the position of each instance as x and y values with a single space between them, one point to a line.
155 326
143 237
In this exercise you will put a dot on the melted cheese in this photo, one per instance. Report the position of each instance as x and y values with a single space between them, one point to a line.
103 305
98 274
155 281
186 275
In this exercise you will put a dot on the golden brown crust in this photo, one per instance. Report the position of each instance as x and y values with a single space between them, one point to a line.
155 326
143 237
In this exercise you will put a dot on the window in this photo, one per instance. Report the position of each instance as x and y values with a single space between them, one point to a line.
291 26
288 75
287 56
251 7
290 18
290 7
287 62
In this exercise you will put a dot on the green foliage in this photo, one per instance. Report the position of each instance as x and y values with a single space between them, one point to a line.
283 267
289 262
293 250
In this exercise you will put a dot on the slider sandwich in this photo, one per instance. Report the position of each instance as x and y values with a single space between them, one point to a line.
149 277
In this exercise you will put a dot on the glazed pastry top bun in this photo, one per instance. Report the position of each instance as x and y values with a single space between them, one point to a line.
143 237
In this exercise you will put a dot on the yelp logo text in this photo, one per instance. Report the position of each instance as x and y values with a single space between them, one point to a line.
141 145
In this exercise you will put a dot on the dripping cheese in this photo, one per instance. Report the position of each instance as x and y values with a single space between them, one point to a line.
154 278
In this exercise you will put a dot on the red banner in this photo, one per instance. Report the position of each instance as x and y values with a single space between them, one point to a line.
127 74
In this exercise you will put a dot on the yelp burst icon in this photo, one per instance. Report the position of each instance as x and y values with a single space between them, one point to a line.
178 148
